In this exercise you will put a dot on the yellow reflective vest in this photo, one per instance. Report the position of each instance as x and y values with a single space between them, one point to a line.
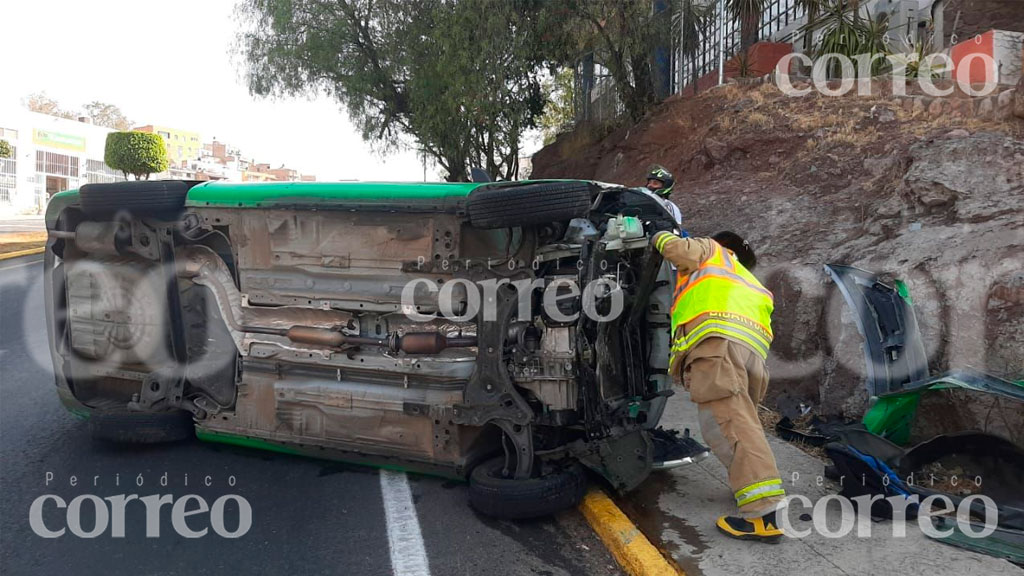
720 298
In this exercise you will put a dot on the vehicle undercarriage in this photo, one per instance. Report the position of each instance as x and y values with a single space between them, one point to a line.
431 336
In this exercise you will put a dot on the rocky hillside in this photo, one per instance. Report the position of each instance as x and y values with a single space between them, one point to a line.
935 199
968 18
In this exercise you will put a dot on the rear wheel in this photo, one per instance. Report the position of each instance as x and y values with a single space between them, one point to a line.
507 206
140 198
124 427
492 494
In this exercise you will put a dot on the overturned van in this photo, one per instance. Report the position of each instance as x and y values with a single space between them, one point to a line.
505 332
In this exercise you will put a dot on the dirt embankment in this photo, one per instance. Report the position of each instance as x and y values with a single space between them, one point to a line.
935 200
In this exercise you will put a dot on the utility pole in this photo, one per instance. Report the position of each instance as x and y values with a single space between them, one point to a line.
721 42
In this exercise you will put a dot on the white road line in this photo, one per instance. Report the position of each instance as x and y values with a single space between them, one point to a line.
408 554
2 268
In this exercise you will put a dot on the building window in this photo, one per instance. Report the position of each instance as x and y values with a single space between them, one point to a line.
96 172
8 176
56 164
8 134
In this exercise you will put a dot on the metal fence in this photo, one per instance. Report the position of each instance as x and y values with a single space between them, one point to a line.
597 99
721 37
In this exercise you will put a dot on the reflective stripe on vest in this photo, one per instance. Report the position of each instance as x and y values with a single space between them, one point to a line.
727 299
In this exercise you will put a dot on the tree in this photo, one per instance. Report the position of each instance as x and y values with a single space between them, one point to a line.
5 149
748 12
812 8
459 77
101 113
841 28
136 153
559 112
695 19
40 102
621 34
108 115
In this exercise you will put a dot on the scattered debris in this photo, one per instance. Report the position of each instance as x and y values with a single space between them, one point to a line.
952 480
954 465
769 418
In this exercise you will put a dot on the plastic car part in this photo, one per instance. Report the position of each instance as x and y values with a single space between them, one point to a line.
535 203
625 460
893 414
1003 543
998 462
893 350
674 450
580 229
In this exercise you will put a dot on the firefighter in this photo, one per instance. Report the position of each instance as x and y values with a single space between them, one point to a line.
721 327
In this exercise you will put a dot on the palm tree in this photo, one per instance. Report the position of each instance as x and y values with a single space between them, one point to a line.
694 18
844 30
812 8
748 12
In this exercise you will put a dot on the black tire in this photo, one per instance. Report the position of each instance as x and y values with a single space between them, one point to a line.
142 198
508 499
124 427
507 206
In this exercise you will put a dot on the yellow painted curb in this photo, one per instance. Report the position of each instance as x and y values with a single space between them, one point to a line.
21 253
631 549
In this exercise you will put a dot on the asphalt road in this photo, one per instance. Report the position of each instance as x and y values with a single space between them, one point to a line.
308 516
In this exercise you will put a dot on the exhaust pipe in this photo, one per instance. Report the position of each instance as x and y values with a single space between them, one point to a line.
411 343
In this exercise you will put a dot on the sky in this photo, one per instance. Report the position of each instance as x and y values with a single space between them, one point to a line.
173 63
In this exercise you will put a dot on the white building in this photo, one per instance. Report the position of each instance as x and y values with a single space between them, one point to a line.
50 155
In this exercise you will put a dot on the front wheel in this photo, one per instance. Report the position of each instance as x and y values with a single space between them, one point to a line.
536 203
492 494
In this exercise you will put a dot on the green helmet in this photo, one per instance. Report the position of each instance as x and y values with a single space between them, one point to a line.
665 177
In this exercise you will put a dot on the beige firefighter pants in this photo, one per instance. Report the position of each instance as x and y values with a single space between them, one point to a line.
727 381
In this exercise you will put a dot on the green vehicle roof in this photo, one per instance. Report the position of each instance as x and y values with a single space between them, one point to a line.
445 196
310 193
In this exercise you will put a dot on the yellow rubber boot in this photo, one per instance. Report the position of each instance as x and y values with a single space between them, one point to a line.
762 529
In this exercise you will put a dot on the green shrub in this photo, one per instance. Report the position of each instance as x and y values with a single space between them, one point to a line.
138 153
5 149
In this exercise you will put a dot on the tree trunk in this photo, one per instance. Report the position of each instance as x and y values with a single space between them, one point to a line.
749 25
808 39
643 79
